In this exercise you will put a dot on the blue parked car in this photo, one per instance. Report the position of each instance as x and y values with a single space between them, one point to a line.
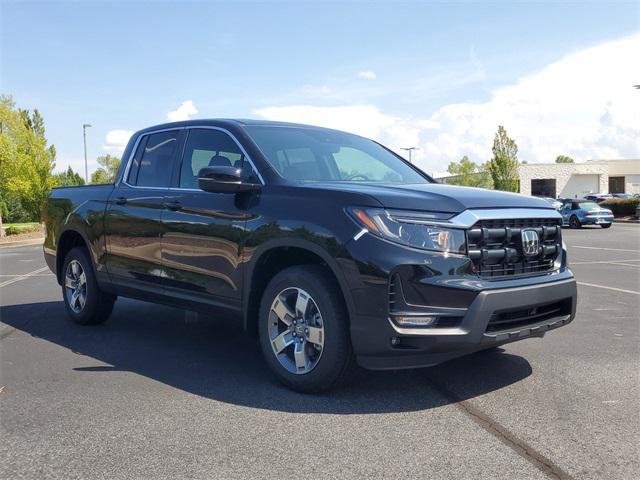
576 213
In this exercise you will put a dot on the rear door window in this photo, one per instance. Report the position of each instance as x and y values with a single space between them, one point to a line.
153 163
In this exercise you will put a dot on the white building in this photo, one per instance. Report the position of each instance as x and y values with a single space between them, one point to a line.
571 180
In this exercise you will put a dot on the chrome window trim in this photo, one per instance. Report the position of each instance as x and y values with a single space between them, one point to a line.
136 145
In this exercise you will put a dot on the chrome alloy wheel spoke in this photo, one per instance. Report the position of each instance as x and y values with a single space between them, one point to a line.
296 330
75 282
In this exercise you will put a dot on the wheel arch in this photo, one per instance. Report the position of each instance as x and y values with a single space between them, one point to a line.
276 255
69 239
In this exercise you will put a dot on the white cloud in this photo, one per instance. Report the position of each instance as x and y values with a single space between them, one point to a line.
365 120
116 140
583 105
367 75
184 112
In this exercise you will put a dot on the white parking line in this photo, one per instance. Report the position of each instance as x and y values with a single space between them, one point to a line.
32 275
605 261
608 288
625 264
603 248
23 277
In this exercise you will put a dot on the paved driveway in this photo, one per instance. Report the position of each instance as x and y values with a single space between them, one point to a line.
159 393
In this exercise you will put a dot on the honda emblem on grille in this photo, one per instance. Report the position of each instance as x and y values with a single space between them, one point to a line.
530 242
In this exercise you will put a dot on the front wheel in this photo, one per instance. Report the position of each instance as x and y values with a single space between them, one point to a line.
86 304
304 329
605 225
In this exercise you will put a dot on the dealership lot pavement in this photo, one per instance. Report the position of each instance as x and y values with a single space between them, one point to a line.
162 393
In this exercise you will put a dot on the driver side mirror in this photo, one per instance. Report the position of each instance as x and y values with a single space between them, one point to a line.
222 179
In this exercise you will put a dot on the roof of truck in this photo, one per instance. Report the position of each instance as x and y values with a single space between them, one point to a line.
227 122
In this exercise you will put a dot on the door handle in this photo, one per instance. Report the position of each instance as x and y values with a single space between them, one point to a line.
173 206
121 201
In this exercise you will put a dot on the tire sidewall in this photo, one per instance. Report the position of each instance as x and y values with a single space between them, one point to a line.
337 346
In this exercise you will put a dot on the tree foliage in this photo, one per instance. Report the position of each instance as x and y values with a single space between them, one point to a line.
564 159
108 168
26 160
469 174
503 167
68 178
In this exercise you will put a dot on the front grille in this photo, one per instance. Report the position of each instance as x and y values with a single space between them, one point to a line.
523 317
495 247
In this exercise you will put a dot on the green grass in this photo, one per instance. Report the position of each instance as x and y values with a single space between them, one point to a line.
17 228
20 225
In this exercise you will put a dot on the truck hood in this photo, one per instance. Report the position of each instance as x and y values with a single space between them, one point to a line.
434 196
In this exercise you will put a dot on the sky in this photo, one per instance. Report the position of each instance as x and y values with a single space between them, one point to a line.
433 75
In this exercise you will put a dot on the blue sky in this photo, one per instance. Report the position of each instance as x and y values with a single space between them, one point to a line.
401 72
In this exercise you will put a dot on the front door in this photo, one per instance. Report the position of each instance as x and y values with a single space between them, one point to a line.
204 232
133 221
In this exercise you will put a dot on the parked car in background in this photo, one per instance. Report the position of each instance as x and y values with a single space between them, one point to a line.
576 213
621 195
598 197
557 204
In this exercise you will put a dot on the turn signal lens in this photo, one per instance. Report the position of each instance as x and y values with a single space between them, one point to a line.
366 221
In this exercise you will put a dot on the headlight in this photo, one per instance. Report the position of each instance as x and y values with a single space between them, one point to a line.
413 229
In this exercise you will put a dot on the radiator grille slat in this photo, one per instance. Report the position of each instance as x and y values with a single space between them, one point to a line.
495 247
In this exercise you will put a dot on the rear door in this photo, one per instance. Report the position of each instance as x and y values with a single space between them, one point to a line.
204 232
133 220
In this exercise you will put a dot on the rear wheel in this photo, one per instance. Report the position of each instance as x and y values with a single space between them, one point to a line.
304 329
86 304
574 222
605 225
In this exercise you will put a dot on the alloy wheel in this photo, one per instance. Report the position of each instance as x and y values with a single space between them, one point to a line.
296 330
75 282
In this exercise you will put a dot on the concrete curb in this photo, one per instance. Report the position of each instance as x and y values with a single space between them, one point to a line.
625 220
23 243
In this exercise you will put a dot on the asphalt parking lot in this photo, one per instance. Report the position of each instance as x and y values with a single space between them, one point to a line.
162 393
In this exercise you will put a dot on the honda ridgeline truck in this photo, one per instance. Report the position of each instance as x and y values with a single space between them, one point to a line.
329 247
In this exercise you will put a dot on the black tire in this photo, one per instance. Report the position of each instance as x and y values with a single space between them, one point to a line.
605 225
98 304
574 222
336 363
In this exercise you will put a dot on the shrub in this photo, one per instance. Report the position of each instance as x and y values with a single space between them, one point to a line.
622 207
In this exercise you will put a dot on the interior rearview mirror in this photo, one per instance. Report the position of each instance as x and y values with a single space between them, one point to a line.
220 179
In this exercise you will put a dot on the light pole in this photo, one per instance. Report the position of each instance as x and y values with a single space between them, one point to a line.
410 149
84 136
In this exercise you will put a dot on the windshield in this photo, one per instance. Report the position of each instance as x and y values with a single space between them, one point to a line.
589 206
299 153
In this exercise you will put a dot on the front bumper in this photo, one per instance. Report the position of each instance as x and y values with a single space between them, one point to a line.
390 347
445 286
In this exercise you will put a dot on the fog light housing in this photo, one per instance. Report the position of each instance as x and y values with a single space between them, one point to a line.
414 320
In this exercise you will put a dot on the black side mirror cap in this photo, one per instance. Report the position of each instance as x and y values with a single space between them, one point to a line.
221 179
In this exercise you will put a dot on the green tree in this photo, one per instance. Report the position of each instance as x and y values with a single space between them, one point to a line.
26 160
564 159
503 167
108 168
68 178
469 174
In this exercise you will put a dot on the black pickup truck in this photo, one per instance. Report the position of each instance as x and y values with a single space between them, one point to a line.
329 247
